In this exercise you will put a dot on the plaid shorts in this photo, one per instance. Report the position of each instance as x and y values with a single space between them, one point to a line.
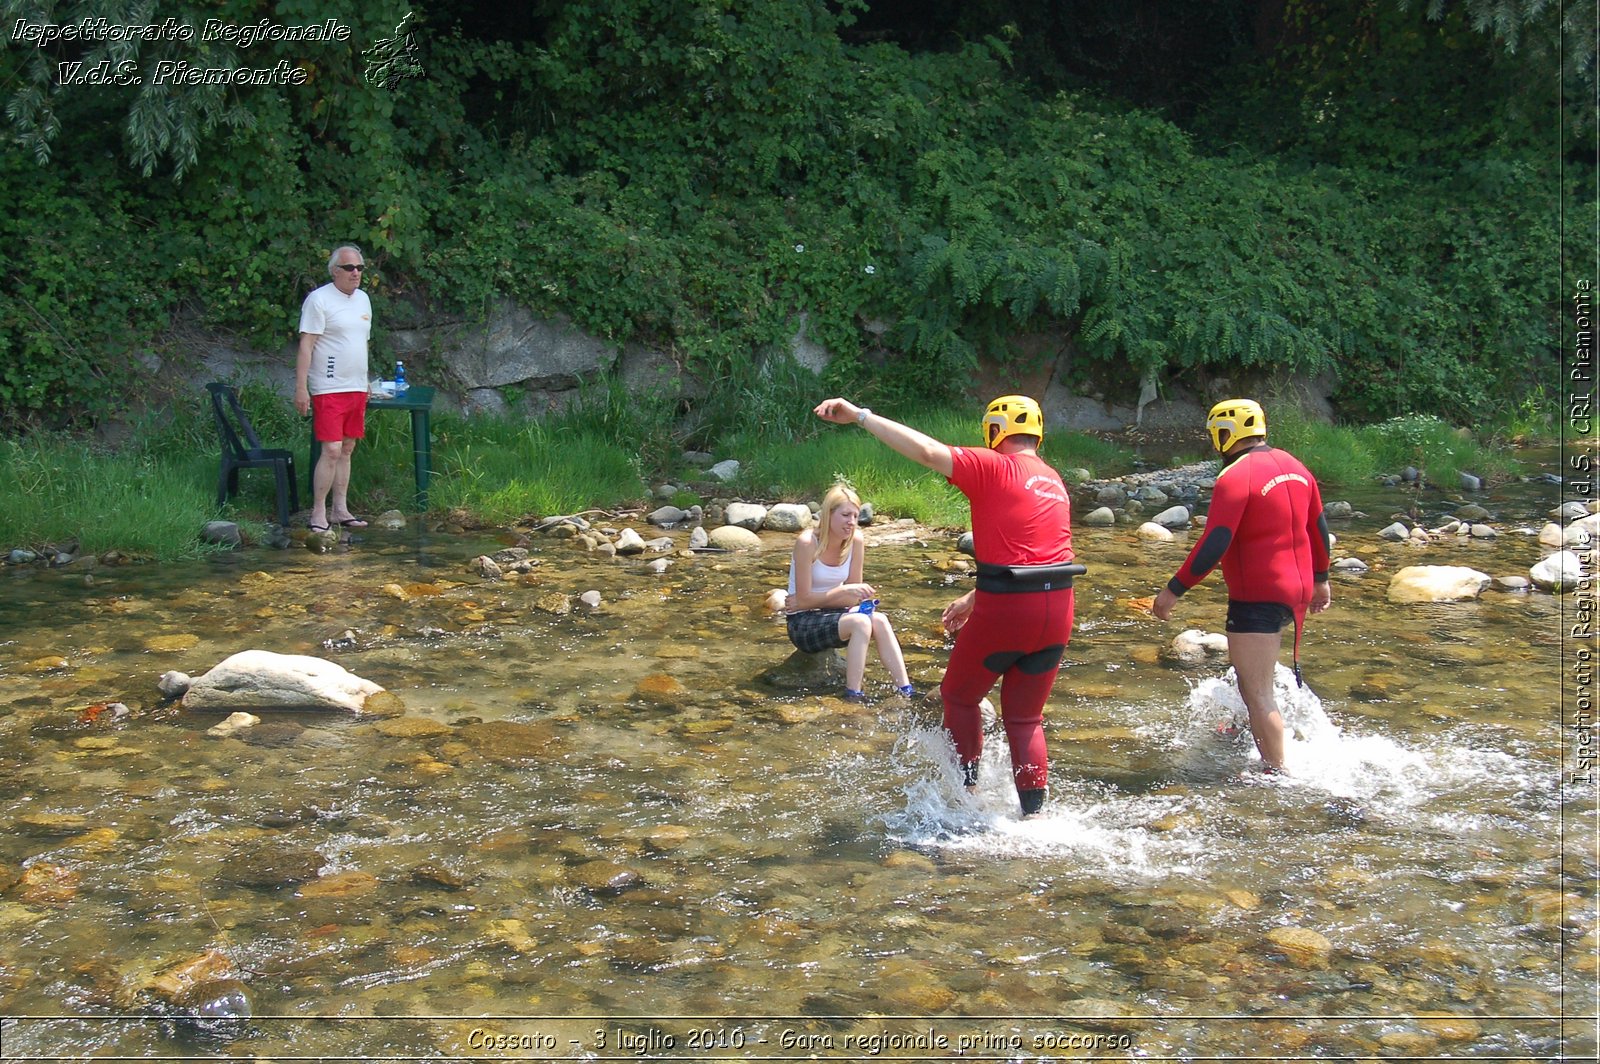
814 631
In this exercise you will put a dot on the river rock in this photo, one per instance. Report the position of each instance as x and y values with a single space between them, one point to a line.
1436 583
177 980
270 866
1111 495
699 538
235 722
734 537
605 877
1302 947
19 556
1149 494
1350 565
347 884
1552 535
591 599
788 517
1561 571
216 1007
1470 482
1100 517
1395 532
1471 512
1193 645
486 567
661 688
390 521
1172 517
223 533
173 684
1481 531
1339 508
321 541
514 742
666 516
1570 511
725 470
802 672
1154 532
746 515
1582 532
629 542
261 679
776 600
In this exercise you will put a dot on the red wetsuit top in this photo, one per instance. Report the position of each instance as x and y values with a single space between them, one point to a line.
1021 515
1020 511
1266 527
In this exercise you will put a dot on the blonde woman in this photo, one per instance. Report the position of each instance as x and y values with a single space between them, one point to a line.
830 606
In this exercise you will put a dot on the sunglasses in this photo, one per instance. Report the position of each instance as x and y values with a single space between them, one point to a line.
351 267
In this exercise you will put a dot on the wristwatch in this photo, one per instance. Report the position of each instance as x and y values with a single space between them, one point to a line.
861 418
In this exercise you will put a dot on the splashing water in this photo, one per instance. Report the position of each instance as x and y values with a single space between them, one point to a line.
1106 835
1321 756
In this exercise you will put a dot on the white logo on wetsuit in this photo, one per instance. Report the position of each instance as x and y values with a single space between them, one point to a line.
1059 494
1280 478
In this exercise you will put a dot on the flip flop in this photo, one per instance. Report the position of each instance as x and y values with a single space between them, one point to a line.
353 522
318 528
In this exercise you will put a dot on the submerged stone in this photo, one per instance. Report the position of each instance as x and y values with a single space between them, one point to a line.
1302 947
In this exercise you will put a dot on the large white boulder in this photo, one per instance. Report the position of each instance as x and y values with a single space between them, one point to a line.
1437 583
1561 571
260 679
733 537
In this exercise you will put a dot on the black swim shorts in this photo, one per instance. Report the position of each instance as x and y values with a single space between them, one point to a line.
1263 617
814 631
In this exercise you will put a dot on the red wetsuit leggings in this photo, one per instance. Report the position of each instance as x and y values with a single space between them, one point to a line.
1017 639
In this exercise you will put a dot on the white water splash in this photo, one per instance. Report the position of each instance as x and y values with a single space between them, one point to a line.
1321 756
1111 836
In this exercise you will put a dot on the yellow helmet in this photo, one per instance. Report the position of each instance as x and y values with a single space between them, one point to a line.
1238 418
1012 415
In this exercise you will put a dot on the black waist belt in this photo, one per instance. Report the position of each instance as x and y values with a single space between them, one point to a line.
1015 579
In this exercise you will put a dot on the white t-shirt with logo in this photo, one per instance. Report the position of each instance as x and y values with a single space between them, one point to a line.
342 325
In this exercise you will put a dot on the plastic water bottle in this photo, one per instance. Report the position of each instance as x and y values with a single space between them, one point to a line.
399 378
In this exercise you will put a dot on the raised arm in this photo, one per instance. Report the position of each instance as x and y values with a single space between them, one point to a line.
902 439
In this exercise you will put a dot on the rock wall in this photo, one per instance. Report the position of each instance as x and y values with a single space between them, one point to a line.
514 362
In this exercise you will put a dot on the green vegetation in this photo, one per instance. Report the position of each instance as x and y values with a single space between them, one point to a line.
1371 190
701 177
1345 457
151 497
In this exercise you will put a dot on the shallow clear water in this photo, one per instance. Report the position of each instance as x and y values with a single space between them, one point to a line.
600 835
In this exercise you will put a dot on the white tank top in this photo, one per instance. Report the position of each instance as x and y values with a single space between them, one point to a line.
823 577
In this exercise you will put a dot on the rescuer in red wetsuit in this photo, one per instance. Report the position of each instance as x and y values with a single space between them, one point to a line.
1267 528
1015 624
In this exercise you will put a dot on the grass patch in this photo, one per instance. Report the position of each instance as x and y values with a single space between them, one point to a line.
55 489
502 470
154 495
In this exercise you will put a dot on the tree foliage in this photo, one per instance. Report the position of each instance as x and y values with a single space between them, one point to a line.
1364 188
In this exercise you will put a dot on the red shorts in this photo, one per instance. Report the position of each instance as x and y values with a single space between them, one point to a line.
339 416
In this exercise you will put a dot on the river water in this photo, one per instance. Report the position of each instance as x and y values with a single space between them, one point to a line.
600 834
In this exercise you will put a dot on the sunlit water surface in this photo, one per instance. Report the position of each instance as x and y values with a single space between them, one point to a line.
600 834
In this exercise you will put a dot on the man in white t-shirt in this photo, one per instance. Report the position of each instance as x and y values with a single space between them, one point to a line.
330 382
